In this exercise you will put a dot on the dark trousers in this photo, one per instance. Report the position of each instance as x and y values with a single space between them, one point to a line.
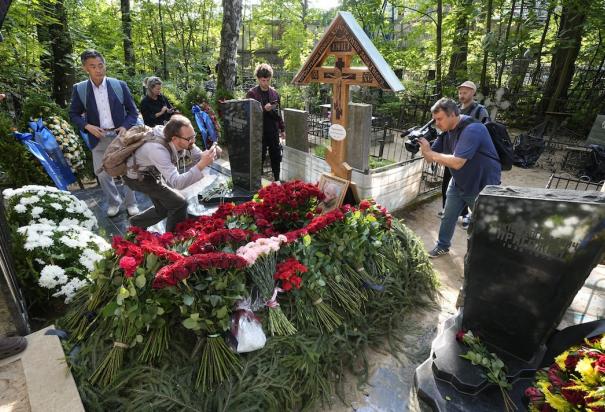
447 176
167 203
271 144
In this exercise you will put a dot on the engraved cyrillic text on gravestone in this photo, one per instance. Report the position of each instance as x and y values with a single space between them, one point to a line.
529 253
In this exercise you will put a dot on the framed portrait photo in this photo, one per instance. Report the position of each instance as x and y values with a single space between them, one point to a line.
334 188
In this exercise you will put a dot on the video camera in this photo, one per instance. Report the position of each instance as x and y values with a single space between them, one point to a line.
427 131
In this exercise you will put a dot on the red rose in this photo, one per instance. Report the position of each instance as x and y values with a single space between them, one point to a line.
553 376
364 204
534 395
129 265
460 335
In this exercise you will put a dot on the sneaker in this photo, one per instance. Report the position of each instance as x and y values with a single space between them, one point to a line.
466 221
440 214
438 251
133 210
113 211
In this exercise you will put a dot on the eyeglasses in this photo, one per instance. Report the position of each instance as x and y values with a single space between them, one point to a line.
189 139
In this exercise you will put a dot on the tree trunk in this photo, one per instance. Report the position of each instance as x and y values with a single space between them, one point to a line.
439 85
53 34
505 46
567 48
227 64
536 75
163 32
458 68
129 60
488 30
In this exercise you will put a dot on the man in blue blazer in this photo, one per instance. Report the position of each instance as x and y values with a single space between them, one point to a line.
103 108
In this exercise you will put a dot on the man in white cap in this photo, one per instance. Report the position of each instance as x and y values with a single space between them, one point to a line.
468 105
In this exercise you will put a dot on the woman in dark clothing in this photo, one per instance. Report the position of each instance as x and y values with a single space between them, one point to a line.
155 107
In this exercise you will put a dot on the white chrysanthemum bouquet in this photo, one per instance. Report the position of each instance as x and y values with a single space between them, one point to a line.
45 204
55 250
63 256
70 143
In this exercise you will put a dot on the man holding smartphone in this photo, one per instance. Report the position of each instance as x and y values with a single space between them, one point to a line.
103 107
273 125
157 169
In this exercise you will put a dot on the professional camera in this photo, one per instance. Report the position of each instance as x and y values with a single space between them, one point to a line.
427 131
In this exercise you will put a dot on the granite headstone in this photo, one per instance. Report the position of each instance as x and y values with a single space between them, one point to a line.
297 129
597 133
530 251
358 136
243 132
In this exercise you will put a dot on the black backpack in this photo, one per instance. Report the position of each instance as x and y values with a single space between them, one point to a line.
501 140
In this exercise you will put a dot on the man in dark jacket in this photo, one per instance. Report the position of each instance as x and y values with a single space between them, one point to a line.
103 107
273 125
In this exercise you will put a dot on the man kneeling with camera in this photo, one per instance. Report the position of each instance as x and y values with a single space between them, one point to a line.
154 170
466 148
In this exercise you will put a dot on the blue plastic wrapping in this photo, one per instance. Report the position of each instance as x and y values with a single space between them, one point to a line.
38 151
47 140
205 125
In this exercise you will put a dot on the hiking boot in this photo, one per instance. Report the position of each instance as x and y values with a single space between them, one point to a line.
438 251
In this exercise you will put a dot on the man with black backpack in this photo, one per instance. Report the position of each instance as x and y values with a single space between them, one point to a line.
466 148
468 105
102 107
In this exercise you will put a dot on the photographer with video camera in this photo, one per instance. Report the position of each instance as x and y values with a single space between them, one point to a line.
155 107
466 148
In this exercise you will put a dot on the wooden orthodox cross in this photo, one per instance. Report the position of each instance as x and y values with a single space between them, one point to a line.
344 39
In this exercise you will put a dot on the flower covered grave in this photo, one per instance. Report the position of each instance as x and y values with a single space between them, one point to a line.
172 311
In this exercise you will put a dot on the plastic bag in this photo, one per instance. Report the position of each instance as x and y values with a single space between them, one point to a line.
247 329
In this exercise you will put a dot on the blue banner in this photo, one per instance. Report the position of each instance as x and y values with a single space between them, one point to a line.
204 123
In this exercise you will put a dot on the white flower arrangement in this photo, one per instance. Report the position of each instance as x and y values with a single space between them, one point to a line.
69 142
64 255
45 204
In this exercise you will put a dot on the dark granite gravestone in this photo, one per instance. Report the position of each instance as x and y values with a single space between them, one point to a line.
243 132
297 129
597 133
529 252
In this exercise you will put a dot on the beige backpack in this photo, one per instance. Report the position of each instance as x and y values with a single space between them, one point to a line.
122 147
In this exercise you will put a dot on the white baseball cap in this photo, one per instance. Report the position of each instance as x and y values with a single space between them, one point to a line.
468 84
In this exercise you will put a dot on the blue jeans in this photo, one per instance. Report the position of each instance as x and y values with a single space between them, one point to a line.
455 202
